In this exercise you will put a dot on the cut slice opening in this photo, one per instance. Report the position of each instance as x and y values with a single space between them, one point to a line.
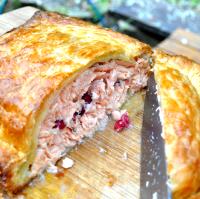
85 106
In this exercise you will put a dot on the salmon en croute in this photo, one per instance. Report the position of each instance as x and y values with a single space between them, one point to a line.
61 79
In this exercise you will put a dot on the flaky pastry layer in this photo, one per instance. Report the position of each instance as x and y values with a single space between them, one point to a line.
178 81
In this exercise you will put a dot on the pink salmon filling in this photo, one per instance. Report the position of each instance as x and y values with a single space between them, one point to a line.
85 106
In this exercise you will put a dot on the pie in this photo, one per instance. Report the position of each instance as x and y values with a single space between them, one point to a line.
61 79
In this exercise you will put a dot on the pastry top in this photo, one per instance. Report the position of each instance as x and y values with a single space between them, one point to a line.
184 65
36 60
178 81
36 57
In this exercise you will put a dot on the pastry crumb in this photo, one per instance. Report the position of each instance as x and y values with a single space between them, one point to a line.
102 150
116 115
67 163
125 156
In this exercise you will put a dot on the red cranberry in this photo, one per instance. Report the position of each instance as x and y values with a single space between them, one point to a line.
124 122
125 119
119 126
59 124
87 98
74 116
82 111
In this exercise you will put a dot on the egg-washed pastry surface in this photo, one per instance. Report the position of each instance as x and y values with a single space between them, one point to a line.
60 80
178 81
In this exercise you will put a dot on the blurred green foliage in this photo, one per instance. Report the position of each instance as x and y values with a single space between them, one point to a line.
12 4
16 3
82 8
189 3
195 3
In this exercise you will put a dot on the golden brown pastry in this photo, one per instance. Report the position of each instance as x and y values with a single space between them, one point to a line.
178 81
60 80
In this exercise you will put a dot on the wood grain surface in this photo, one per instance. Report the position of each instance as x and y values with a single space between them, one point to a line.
183 42
101 169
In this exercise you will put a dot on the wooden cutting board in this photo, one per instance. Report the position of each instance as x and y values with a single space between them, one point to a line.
107 166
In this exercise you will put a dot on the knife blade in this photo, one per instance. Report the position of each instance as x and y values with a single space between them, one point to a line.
153 173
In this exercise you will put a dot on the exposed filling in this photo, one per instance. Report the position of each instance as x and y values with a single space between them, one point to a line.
85 106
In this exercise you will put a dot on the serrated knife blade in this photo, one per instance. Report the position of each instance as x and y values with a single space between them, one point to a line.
153 173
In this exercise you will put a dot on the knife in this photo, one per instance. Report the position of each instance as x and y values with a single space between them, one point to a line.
153 173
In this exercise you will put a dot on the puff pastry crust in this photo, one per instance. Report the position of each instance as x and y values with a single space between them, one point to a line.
178 80
36 61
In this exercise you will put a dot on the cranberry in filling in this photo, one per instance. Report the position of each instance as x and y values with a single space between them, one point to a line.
87 97
59 124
